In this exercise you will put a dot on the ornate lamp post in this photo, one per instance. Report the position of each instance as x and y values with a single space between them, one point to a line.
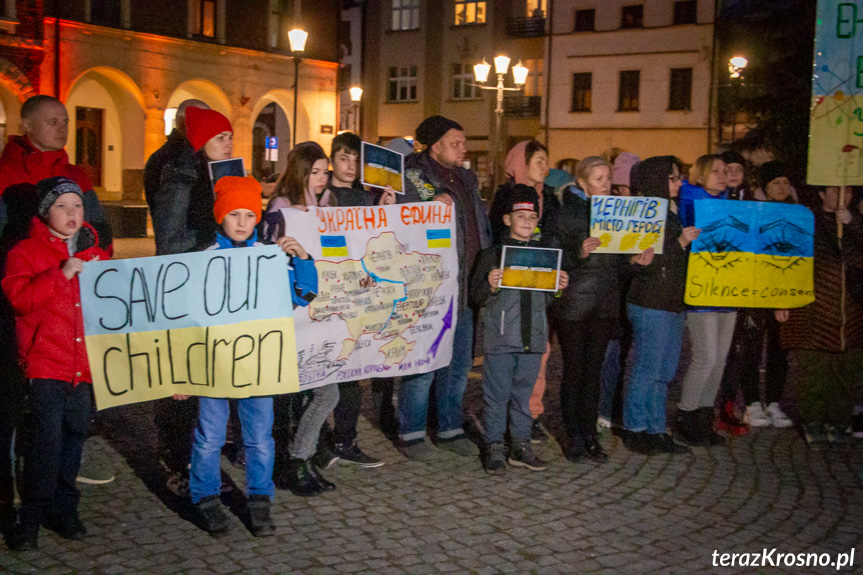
297 37
519 75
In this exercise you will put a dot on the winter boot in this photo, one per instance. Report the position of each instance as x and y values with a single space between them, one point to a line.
705 416
260 522
688 431
300 479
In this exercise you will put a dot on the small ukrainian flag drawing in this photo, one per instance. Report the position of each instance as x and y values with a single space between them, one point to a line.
438 238
334 246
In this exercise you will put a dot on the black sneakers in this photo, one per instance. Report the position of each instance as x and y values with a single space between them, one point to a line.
260 522
522 455
211 516
495 463
662 443
351 453
537 433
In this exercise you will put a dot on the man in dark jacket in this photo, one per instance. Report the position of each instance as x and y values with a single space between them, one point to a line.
170 180
437 173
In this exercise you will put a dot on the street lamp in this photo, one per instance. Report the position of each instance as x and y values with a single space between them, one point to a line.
519 75
297 37
356 96
736 65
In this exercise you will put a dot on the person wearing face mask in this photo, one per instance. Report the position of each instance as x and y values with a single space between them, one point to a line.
587 312
655 307
710 329
754 325
527 164
825 338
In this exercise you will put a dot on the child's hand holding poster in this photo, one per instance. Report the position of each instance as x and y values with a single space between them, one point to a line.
530 268
628 225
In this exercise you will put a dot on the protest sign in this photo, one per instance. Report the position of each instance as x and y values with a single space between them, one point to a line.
628 225
387 291
751 254
530 268
215 323
382 167
836 114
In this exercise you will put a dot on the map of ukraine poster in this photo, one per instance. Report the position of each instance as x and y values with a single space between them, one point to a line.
751 254
387 291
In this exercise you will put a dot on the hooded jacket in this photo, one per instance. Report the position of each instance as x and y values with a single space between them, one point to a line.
49 322
22 166
660 284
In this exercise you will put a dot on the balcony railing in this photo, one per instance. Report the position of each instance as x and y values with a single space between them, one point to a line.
525 27
522 106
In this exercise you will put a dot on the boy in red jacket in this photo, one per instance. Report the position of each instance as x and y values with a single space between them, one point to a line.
41 283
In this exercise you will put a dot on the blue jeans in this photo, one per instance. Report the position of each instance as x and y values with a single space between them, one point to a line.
608 378
657 337
256 417
507 383
451 382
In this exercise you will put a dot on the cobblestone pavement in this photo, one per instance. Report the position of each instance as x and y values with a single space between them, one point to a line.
634 514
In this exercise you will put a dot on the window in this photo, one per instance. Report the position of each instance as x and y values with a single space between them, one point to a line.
685 12
534 84
406 14
462 78
627 100
536 8
584 20
467 12
680 89
632 16
204 18
582 89
105 12
402 84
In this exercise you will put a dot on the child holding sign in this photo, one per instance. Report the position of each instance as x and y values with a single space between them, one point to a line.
41 283
515 337
238 210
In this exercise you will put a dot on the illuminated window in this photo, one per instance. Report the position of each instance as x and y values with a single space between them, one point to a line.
467 12
406 14
582 90
204 18
170 120
627 99
534 78
536 8
462 80
402 84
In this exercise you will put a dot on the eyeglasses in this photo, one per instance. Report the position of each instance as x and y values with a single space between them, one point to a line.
674 179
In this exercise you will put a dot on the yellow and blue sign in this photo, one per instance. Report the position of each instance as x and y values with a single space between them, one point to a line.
215 323
438 238
751 254
628 225
334 246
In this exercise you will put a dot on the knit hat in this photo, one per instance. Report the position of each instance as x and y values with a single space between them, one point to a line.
234 192
523 198
622 165
202 125
49 189
433 128
732 157
770 171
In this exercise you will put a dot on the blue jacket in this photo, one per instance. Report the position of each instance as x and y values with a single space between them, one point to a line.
301 273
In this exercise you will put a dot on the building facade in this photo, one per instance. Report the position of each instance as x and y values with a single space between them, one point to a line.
418 61
122 67
628 74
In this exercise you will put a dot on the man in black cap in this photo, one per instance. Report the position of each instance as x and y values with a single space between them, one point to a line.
438 173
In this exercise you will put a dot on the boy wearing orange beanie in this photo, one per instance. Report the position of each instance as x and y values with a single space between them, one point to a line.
238 210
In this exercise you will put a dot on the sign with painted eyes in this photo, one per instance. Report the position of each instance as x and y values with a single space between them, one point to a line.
751 254
836 114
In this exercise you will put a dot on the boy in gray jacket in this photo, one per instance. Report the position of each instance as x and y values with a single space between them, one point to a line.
514 339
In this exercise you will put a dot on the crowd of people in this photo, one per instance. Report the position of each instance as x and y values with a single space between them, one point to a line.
609 310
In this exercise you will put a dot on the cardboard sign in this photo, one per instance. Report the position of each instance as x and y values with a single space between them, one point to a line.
382 167
215 323
751 254
387 298
836 115
628 225
530 268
